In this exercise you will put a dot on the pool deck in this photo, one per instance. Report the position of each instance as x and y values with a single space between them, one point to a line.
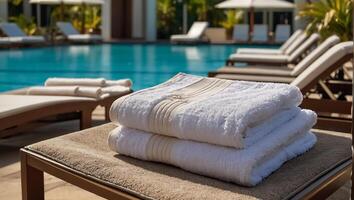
55 189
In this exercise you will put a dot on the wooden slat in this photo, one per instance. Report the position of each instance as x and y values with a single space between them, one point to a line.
327 106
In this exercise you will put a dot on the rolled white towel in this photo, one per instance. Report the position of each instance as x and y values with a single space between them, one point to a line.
93 92
53 91
215 111
115 90
247 166
92 82
122 82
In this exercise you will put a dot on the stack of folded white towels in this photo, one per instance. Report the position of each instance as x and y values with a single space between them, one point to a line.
231 130
98 88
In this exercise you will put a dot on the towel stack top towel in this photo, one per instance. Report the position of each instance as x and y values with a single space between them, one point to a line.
221 112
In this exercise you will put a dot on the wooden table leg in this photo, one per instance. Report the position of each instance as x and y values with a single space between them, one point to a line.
85 119
106 112
32 181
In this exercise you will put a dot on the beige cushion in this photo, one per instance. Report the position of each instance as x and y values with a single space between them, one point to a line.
299 40
241 32
257 58
291 40
311 41
87 152
15 104
315 54
259 51
195 32
323 63
256 70
241 77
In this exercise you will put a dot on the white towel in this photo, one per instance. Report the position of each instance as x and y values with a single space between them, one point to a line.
53 91
122 82
115 90
247 166
208 110
92 82
93 92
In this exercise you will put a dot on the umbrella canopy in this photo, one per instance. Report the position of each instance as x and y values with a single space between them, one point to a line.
251 5
53 2
257 4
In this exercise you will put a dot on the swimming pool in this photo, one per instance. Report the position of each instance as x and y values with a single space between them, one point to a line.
145 64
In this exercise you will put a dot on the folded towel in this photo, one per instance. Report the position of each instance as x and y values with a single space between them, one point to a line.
122 82
93 92
115 90
208 110
247 166
93 82
53 91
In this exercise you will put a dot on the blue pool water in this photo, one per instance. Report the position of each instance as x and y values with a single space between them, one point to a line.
145 64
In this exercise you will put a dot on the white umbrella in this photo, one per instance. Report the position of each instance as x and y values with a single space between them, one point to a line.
255 4
51 2
72 2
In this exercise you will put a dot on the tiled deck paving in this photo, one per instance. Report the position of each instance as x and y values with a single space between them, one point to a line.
10 184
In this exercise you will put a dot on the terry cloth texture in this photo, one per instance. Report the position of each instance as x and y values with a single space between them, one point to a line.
87 151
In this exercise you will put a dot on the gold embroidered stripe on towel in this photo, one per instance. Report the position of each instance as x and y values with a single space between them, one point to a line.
159 115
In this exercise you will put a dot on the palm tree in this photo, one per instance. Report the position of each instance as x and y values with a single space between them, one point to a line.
329 17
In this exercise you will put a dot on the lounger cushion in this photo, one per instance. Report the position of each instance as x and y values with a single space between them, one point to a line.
84 37
181 38
256 70
260 33
15 104
194 34
87 152
4 41
326 61
293 46
242 77
315 54
259 51
255 58
12 30
33 39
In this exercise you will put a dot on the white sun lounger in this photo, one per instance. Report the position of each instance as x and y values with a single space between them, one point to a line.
194 34
4 41
286 46
282 71
276 59
73 35
282 33
329 59
241 33
17 36
260 33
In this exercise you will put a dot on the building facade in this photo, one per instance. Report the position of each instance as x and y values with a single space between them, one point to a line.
121 19
136 19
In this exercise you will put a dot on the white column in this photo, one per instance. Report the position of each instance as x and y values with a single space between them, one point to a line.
150 20
27 11
298 22
137 22
271 20
106 20
185 18
3 10
245 16
264 13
